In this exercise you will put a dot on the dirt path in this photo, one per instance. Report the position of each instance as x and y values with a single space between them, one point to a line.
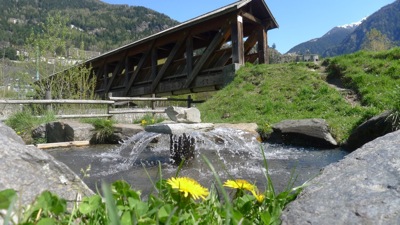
348 94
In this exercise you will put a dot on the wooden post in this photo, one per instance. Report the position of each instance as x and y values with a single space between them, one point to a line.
189 55
105 75
237 40
109 106
262 46
48 97
154 57
153 104
189 101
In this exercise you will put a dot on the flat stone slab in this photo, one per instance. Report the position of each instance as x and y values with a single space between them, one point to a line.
249 127
179 128
363 188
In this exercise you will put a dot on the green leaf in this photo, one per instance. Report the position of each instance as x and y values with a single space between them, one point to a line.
110 204
165 212
47 221
6 197
140 207
146 221
90 204
126 218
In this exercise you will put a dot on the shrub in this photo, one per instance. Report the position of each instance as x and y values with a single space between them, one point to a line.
103 128
23 122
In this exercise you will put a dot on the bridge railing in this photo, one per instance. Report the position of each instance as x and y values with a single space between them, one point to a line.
111 104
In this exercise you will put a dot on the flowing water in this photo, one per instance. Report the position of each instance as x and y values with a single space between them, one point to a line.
233 154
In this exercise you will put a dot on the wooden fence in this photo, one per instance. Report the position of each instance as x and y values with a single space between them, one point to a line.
111 103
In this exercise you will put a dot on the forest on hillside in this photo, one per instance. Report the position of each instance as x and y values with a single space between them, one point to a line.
100 26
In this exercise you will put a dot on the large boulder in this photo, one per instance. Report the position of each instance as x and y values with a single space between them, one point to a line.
375 127
65 131
125 131
31 171
306 132
363 188
183 115
8 133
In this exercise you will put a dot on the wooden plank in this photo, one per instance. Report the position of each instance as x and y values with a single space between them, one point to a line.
251 18
117 70
62 144
138 68
55 101
82 116
251 41
262 47
137 111
189 55
167 63
154 63
221 36
137 99
237 41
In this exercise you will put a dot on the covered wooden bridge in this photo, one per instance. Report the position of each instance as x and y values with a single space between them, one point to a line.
198 55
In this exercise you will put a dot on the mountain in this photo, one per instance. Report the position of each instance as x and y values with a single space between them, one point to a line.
349 38
100 26
386 21
319 45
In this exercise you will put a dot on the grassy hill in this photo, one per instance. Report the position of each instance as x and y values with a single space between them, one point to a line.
267 94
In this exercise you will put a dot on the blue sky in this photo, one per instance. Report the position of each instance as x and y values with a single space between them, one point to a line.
299 21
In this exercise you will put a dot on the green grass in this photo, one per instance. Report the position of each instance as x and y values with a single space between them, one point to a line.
23 122
103 128
267 94
374 75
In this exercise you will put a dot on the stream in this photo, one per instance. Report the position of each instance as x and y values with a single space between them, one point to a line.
233 153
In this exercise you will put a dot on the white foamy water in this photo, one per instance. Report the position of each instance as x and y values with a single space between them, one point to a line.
233 154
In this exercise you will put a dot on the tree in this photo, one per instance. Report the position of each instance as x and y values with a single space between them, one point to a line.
376 41
48 57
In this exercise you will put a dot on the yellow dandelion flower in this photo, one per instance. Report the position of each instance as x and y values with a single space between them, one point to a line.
188 186
260 197
239 184
144 122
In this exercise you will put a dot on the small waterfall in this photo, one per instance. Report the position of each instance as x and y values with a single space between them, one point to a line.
233 153
127 154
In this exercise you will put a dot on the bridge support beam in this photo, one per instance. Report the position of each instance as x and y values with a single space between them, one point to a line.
237 40
262 47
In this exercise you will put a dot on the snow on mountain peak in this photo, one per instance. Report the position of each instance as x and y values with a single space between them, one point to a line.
351 25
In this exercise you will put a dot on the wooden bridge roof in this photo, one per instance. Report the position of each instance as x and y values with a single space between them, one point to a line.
196 55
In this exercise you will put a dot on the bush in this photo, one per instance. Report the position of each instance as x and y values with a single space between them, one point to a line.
24 122
103 128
